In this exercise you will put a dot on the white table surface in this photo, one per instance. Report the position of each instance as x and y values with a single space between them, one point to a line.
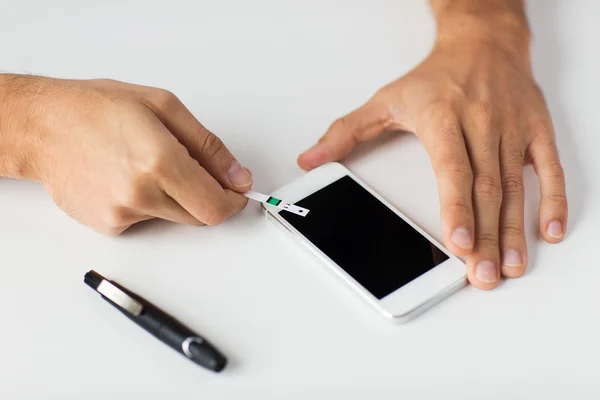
269 76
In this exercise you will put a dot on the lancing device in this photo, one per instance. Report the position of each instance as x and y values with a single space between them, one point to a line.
162 326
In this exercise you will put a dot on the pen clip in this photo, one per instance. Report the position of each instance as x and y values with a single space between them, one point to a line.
120 298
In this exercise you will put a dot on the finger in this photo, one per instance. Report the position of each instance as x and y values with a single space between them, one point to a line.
145 199
202 144
512 215
168 209
439 130
553 205
123 220
483 146
199 193
365 123
157 205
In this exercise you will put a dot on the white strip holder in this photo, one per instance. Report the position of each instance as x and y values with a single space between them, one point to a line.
278 203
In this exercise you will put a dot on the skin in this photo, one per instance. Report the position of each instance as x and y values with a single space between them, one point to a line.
112 154
475 106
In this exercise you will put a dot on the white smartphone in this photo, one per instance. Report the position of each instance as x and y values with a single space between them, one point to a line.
374 248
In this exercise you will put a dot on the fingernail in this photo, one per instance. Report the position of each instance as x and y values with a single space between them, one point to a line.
462 238
512 258
555 230
238 175
486 272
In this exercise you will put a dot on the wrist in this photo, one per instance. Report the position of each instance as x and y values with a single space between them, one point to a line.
507 30
18 128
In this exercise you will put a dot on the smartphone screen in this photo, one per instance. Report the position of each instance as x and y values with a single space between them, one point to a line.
364 237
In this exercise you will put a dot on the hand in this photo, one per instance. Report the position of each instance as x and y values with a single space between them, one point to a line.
113 154
481 116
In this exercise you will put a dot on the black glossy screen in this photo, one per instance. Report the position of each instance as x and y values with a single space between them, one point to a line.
364 237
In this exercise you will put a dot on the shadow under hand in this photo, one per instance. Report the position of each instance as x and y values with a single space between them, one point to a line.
151 227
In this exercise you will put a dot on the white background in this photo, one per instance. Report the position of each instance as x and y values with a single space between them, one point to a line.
269 76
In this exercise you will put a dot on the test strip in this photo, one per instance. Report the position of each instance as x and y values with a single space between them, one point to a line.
273 201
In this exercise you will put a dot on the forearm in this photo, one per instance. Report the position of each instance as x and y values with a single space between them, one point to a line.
17 139
502 22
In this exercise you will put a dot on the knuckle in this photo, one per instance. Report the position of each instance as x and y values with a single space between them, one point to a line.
458 207
382 111
487 186
448 134
458 203
340 124
512 184
215 218
215 214
439 110
456 166
512 130
482 111
155 163
513 155
541 127
212 146
511 228
559 199
115 217
163 99
342 130
487 240
136 197
557 172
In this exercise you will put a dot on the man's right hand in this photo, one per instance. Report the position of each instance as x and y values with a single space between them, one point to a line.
112 154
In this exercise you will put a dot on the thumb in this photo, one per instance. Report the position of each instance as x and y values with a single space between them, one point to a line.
216 158
363 124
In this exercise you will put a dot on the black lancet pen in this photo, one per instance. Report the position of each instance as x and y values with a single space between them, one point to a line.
164 327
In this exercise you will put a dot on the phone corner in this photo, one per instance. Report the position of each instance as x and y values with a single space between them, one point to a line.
334 165
406 316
